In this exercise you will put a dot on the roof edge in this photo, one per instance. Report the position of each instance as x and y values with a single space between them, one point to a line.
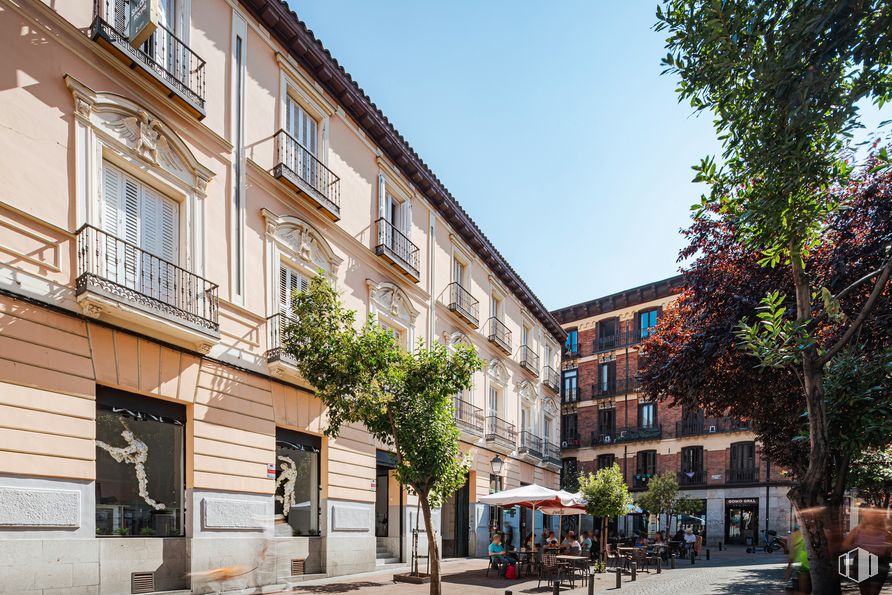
303 45
621 299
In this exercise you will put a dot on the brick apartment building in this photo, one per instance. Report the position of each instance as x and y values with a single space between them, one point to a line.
605 419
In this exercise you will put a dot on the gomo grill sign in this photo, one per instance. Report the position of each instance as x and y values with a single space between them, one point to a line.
143 20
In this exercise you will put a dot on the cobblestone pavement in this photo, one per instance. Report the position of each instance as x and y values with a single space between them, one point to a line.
730 572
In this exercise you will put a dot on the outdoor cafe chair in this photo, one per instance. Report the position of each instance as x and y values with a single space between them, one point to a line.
549 568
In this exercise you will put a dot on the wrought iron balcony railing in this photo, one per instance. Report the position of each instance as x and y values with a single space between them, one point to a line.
745 474
529 359
463 303
500 431
499 334
570 394
692 477
164 56
630 434
603 389
570 441
530 443
570 352
275 330
468 416
298 167
551 453
122 271
397 249
698 426
552 379
607 342
641 479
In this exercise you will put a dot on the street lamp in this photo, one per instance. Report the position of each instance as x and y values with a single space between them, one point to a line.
496 464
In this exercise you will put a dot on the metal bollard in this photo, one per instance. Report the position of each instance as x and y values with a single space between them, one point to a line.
619 578
720 546
693 555
672 561
557 588
634 567
659 565
591 584
707 554
508 593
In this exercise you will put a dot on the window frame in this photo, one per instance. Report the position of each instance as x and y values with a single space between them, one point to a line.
305 441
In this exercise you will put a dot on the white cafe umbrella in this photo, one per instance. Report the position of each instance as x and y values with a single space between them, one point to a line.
530 496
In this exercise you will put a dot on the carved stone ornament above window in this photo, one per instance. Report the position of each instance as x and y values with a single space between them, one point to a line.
497 371
527 392
130 128
392 301
550 407
302 243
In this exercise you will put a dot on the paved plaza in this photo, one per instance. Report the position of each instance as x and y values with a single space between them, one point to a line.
728 572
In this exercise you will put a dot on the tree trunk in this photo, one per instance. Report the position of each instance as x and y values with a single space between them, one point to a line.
604 539
810 496
433 550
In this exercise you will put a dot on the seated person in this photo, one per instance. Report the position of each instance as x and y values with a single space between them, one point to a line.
551 541
497 554
571 543
641 541
587 543
658 538
689 540
544 539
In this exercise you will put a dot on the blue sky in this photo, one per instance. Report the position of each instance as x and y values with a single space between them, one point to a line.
548 121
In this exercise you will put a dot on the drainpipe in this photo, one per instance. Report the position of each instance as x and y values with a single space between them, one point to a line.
767 492
430 275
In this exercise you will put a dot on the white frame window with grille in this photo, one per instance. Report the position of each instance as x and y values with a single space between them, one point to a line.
495 306
303 127
290 280
394 207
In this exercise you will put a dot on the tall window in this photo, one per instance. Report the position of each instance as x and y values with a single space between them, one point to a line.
646 464
495 400
546 429
570 382
304 129
606 461
571 345
692 461
607 377
547 355
290 281
647 320
743 455
297 480
647 415
607 421
140 460
458 271
568 427
495 307
607 333
142 218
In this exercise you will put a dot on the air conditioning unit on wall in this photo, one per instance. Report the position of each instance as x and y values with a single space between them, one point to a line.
712 429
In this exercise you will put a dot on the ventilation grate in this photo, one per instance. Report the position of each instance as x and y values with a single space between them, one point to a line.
142 582
297 567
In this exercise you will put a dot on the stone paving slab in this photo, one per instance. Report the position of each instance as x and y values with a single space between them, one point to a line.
729 572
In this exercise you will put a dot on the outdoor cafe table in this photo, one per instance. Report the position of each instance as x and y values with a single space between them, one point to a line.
525 558
572 561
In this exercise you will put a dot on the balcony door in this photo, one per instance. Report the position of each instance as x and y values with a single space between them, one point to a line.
571 386
289 282
142 250
304 129
607 422
692 464
743 461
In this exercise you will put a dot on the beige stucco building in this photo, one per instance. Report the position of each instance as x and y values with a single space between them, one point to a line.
160 203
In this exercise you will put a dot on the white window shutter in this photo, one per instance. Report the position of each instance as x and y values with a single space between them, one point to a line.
382 196
289 282
111 198
284 298
407 219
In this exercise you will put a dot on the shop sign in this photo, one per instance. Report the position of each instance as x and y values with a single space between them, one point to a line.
270 471
741 501
144 18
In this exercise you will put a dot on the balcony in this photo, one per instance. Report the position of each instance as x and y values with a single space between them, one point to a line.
551 378
499 334
570 394
607 342
530 444
570 441
462 303
639 482
500 432
551 454
529 360
163 59
397 249
468 417
570 351
275 331
127 282
300 170
715 425
632 434
746 474
604 389
693 477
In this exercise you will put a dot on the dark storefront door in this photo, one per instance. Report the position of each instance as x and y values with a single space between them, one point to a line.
382 503
462 521
741 520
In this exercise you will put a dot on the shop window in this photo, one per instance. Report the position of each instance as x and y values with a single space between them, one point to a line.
140 458
297 480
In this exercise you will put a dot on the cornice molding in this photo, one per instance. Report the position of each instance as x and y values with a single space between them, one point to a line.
309 52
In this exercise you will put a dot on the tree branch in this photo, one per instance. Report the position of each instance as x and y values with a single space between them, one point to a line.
862 316
873 273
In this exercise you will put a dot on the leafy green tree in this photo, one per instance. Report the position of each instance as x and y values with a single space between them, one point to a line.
404 399
662 498
783 80
607 496
871 477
